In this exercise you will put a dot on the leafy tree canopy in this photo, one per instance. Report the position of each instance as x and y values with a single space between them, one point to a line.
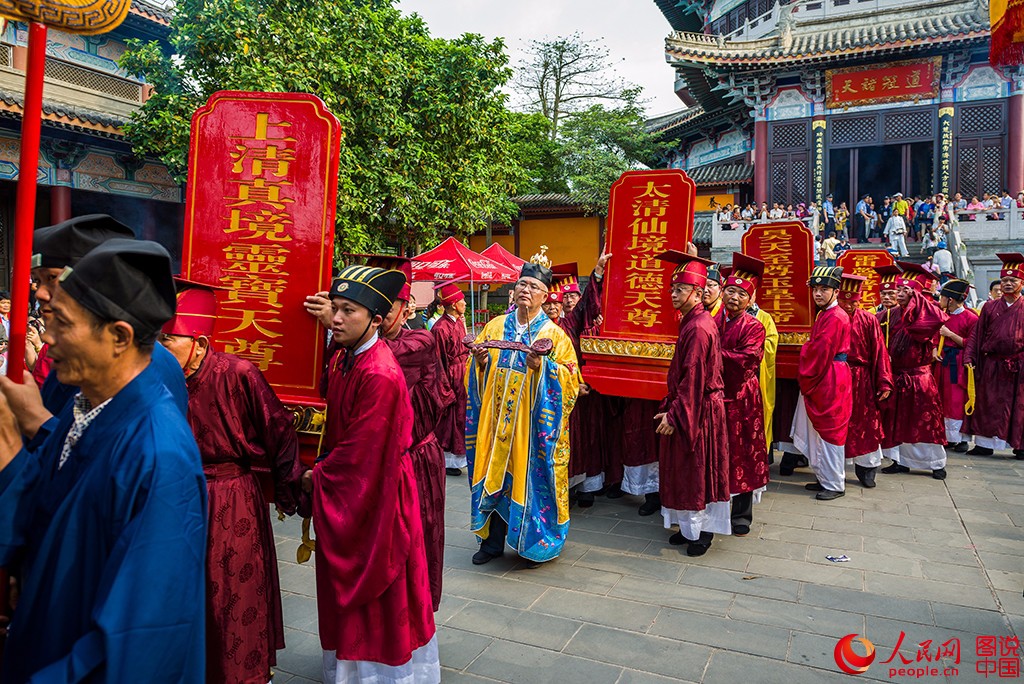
429 144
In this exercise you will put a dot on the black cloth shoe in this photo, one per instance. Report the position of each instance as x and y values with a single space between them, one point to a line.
454 472
701 546
802 462
678 539
828 495
939 474
814 487
481 557
585 499
651 504
980 451
1018 454
865 475
615 491
740 530
895 468
961 448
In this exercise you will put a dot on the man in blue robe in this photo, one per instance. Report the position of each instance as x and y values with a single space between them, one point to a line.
105 523
54 248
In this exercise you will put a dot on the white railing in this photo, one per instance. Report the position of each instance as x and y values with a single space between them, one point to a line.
758 27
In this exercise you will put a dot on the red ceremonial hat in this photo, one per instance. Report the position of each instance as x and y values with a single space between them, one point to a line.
723 273
888 276
448 292
567 277
849 287
196 310
1013 265
389 262
555 294
689 270
915 276
746 273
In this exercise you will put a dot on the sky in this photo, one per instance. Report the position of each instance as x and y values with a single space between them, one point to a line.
634 32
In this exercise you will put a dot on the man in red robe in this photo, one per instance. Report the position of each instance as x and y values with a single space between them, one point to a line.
238 423
693 451
826 393
951 374
912 418
995 355
586 470
417 354
372 583
742 340
449 331
887 311
871 374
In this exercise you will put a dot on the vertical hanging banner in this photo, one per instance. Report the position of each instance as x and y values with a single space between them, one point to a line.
648 213
863 262
945 150
259 222
787 250
818 127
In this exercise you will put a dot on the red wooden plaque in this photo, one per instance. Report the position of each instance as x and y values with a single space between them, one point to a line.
862 262
787 250
649 212
259 221
893 82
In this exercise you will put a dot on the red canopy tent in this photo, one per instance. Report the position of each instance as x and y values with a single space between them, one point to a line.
452 260
500 254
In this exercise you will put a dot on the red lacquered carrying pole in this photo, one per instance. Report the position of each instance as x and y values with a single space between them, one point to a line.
24 221
25 210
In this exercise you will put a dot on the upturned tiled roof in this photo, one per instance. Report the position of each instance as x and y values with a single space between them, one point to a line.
815 39
722 174
65 116
702 228
552 200
151 11
660 124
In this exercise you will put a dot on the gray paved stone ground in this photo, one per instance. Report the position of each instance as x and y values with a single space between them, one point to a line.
934 560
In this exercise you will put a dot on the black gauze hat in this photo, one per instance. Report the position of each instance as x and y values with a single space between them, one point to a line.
541 273
65 243
125 280
956 289
374 288
715 274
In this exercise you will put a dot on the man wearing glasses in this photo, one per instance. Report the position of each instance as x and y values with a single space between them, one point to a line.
517 429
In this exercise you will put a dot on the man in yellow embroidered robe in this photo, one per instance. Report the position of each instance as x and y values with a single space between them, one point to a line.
517 434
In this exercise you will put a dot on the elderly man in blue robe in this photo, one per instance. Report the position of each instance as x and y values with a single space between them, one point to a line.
105 522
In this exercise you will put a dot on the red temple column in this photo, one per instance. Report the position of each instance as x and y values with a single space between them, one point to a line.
1015 135
60 204
761 160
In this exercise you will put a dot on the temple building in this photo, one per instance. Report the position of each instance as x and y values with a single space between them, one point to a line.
85 163
849 97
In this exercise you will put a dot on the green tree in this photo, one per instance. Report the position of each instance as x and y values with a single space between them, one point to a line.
599 143
428 145
538 155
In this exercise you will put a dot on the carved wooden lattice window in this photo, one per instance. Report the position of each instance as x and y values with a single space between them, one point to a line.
92 80
780 182
981 119
789 136
799 191
906 125
858 130
991 168
967 172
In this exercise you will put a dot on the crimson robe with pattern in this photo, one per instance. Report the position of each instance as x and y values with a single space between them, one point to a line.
950 373
824 380
996 348
871 373
238 422
372 584
913 412
742 340
693 462
585 419
451 430
416 352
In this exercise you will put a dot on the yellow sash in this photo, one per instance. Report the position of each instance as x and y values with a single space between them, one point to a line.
969 406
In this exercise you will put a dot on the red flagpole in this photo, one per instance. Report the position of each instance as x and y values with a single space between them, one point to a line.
24 221
25 210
